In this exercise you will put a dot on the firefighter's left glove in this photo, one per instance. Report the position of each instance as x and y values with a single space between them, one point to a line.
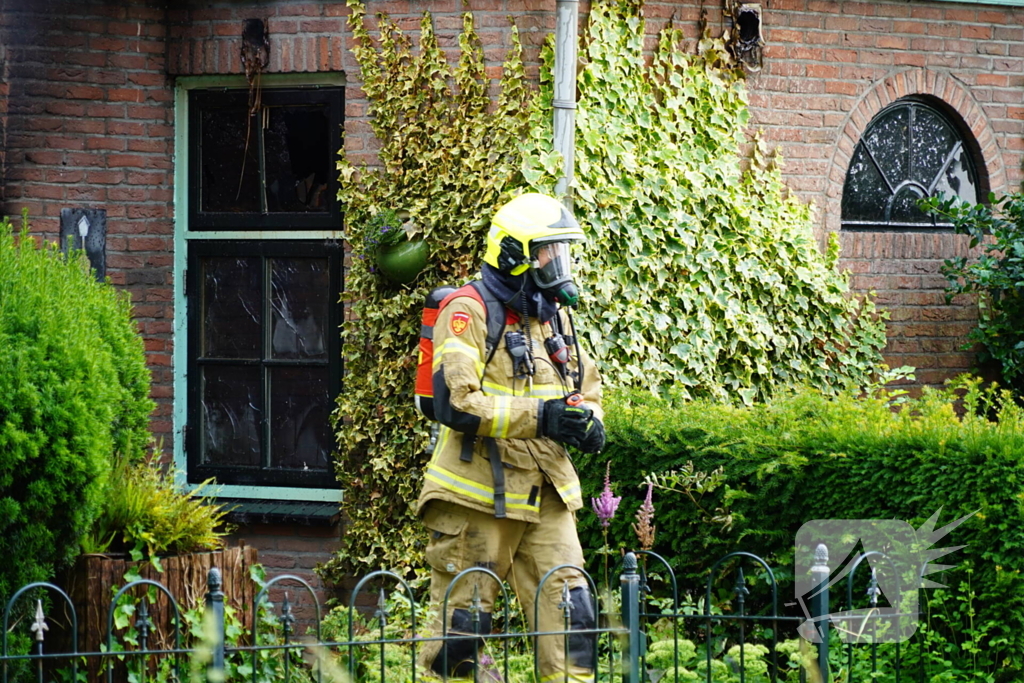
593 440
564 423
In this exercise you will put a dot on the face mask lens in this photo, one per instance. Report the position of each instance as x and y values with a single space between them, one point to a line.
551 263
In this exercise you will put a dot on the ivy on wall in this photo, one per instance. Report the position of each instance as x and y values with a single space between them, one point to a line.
698 275
448 155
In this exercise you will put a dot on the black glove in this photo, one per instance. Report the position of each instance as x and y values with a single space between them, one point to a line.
593 440
564 423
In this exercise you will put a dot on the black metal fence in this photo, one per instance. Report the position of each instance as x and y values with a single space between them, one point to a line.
647 632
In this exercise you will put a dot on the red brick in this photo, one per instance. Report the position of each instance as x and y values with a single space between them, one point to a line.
142 111
105 142
105 177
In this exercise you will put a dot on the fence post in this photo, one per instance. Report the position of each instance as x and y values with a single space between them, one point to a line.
630 581
215 617
819 606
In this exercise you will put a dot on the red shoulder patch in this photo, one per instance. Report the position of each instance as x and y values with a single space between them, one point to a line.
460 322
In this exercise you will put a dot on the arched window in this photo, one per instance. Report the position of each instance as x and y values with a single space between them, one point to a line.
910 150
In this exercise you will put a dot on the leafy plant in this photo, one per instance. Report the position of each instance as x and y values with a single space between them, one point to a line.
269 665
996 275
698 274
806 456
385 229
447 156
146 515
75 393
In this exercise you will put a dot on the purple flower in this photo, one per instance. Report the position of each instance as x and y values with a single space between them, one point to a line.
606 505
488 670
644 526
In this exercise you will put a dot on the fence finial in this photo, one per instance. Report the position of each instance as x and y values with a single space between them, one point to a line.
39 626
214 581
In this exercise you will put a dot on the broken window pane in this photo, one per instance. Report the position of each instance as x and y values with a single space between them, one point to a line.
232 308
272 156
229 160
933 140
300 409
298 158
920 153
299 307
231 400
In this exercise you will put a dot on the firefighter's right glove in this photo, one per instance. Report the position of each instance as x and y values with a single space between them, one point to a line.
564 423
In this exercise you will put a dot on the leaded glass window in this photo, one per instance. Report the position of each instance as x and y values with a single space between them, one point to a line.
909 151
264 364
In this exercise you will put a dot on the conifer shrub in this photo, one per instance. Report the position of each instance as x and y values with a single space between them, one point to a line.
805 456
75 391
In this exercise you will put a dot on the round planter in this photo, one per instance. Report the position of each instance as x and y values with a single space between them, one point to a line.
402 262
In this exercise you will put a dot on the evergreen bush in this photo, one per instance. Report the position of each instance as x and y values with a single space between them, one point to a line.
75 391
805 456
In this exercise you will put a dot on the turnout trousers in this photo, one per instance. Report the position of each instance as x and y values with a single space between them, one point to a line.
520 553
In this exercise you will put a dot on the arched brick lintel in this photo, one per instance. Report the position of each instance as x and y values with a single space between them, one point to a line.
886 91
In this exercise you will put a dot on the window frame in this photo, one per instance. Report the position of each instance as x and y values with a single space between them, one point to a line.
265 249
965 142
184 234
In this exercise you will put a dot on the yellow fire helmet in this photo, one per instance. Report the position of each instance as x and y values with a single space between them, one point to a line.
522 227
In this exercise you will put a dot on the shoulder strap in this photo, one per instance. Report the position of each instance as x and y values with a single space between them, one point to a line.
495 317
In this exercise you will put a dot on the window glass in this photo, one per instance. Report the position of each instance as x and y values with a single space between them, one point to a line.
231 416
909 151
232 309
299 307
300 409
264 164
265 351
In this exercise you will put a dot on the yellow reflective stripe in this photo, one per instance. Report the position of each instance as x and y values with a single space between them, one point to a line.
502 417
561 676
475 490
442 439
453 482
451 346
569 491
492 389
546 391
538 390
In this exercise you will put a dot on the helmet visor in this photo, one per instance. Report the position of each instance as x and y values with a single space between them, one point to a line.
551 264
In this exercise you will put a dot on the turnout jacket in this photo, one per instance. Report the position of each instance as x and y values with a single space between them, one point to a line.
473 401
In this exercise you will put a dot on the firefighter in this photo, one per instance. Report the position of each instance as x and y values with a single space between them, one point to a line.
500 490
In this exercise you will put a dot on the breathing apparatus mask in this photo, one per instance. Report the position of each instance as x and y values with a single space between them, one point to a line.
551 269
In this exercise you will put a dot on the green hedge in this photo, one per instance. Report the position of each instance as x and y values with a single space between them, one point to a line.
75 394
805 457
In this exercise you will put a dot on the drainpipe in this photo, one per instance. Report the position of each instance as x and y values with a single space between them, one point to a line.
566 22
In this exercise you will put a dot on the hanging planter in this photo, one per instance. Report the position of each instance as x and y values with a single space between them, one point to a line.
396 247
402 262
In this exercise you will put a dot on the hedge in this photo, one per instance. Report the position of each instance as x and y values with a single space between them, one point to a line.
804 457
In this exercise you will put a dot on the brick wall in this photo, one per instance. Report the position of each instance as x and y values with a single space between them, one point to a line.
89 122
295 550
90 125
829 67
307 37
